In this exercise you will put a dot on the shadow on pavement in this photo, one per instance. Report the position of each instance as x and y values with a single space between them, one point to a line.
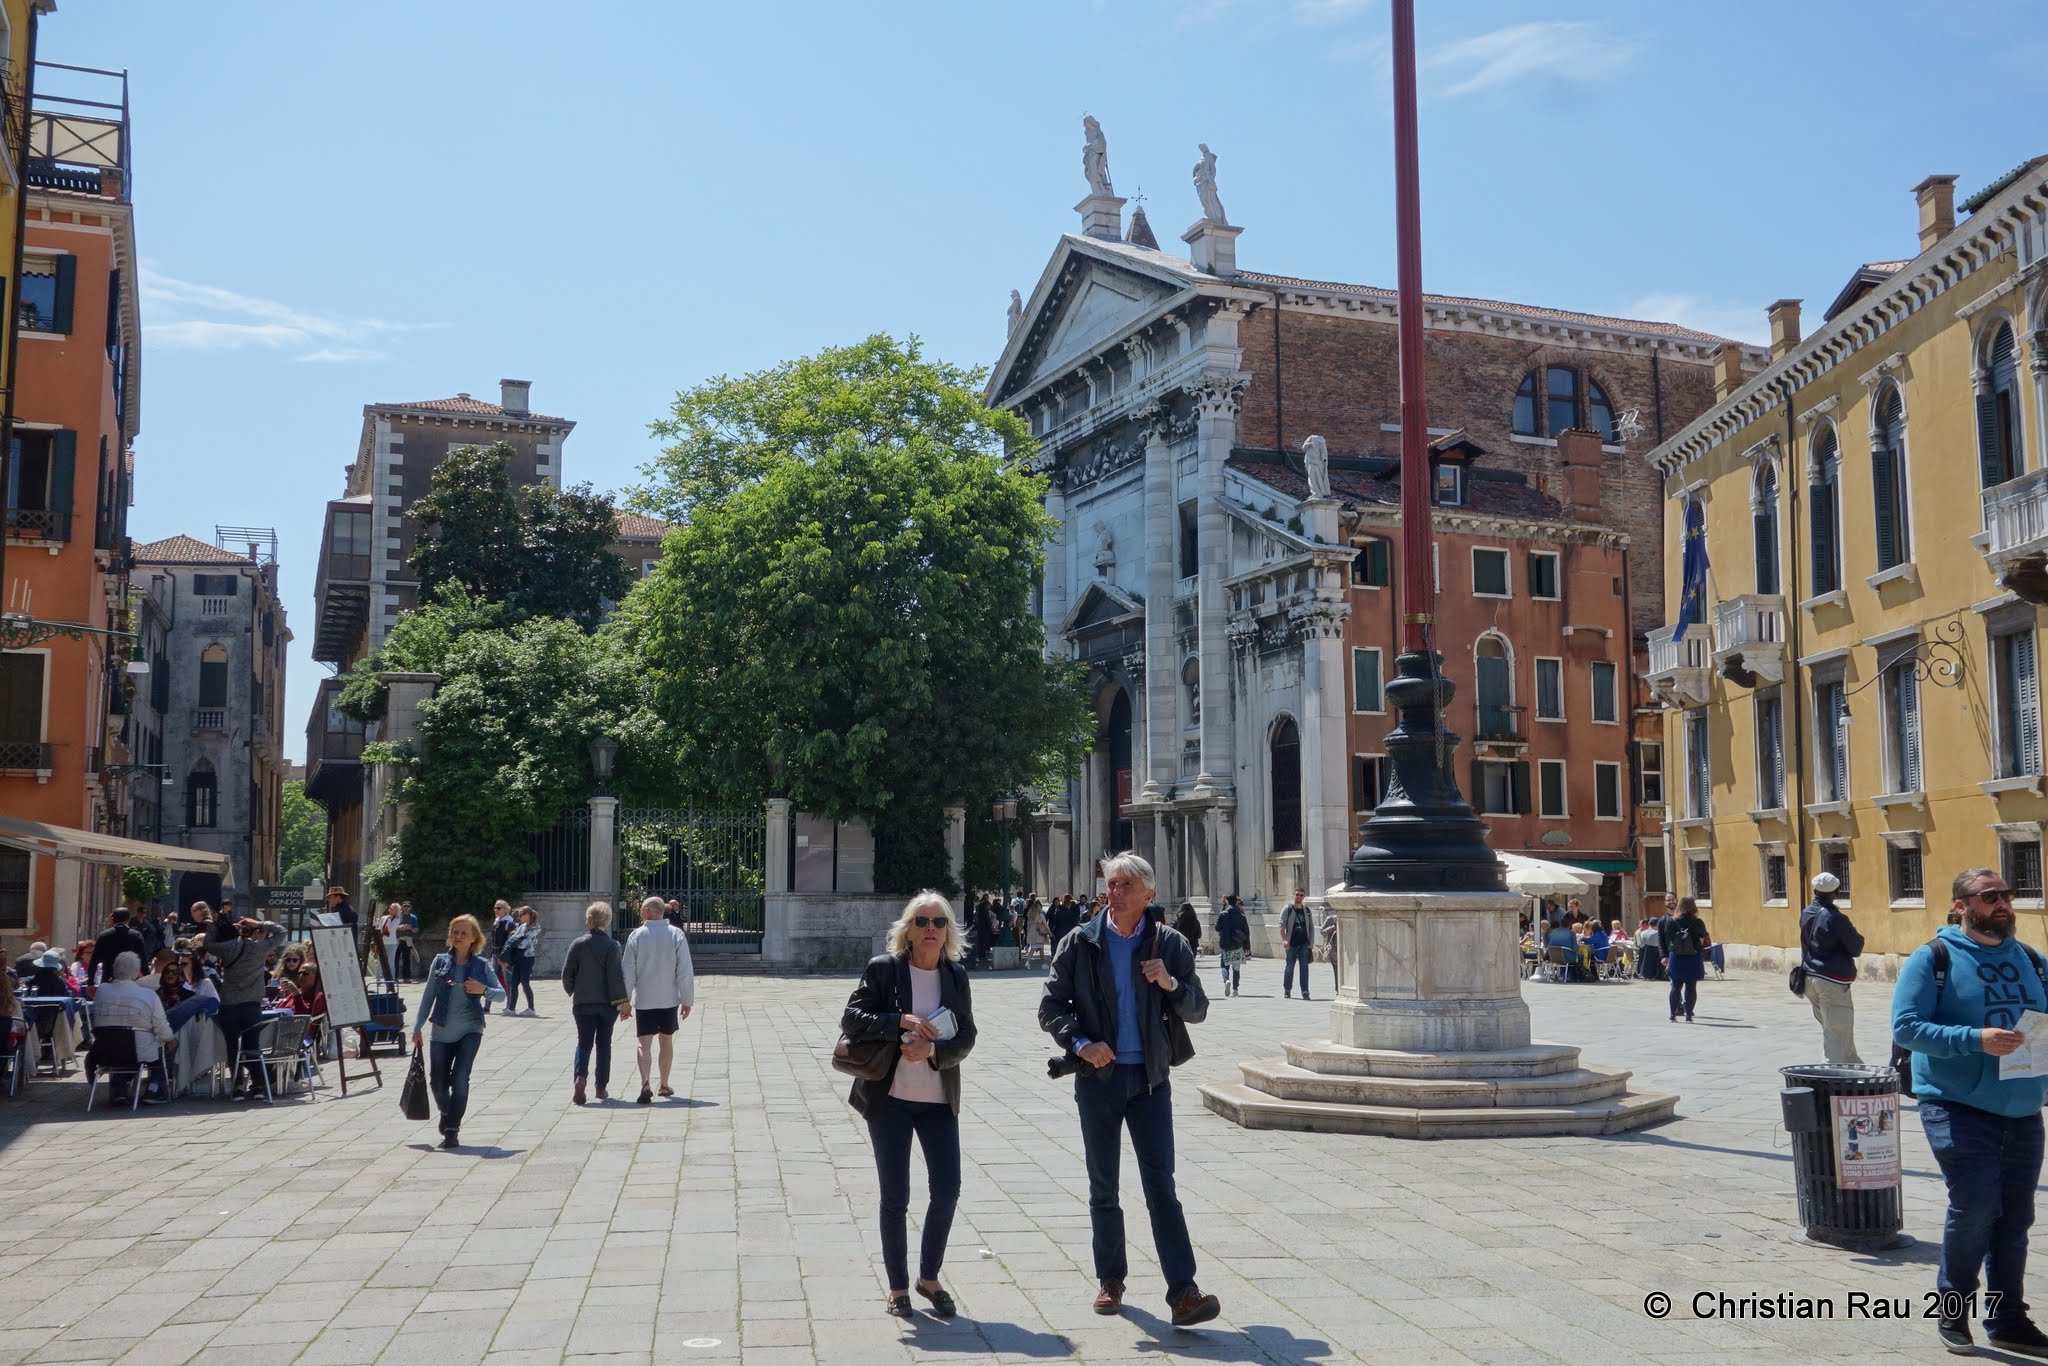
984 1336
488 1154
1212 1342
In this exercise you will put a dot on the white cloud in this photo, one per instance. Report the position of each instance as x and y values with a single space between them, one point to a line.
1316 13
1561 52
1743 322
209 318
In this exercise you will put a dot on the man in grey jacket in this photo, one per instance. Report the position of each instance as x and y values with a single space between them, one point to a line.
1297 941
663 987
239 948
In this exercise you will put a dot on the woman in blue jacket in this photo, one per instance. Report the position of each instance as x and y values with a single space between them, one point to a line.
458 984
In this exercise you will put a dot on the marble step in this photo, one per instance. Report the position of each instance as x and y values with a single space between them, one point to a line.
1250 1109
1288 1082
1336 1059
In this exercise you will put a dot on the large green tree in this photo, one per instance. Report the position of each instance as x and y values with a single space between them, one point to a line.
537 550
504 749
302 847
850 622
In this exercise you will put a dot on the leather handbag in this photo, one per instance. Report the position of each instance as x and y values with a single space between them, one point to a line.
412 1097
869 1060
1796 980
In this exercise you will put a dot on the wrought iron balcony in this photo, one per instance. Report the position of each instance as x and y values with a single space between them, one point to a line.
21 756
1500 724
38 524
1749 639
1678 665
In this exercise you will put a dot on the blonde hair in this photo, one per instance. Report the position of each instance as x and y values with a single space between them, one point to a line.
597 916
924 903
501 905
477 942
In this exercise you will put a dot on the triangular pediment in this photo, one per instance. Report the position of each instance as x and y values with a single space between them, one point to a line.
1101 606
1091 294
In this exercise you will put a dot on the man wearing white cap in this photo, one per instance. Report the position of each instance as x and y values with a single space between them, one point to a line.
1828 945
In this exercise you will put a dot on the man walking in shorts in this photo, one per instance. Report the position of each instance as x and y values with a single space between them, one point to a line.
662 986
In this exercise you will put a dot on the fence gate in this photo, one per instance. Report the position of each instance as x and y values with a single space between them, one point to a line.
712 863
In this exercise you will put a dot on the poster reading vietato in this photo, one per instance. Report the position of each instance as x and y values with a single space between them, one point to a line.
1866 1142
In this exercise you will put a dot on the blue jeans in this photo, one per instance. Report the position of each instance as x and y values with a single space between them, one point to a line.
241 1026
1302 954
186 1009
890 1126
1992 1164
1108 1107
518 973
594 1029
448 1067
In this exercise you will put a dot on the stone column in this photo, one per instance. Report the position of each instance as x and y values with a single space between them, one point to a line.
2037 362
778 909
1053 580
604 850
777 852
1325 822
1162 764
956 854
1216 404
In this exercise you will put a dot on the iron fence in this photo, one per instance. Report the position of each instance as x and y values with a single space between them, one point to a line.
561 854
712 864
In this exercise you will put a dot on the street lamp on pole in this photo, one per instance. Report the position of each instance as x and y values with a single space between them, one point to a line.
1005 812
603 749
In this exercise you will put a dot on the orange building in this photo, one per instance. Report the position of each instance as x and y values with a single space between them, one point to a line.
76 414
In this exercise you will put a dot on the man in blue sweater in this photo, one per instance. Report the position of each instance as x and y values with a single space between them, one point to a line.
1828 944
1985 1129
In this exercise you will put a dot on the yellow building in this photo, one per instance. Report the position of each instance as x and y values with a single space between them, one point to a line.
1859 688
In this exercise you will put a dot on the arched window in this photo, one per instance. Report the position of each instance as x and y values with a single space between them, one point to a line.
1115 742
1888 479
1284 763
213 676
1191 690
1599 412
1763 516
1824 508
1494 672
1562 384
202 797
1525 406
1998 408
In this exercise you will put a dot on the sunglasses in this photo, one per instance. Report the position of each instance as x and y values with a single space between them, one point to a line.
1994 895
929 922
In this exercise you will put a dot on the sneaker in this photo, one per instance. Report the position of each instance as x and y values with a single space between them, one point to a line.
1955 1335
1110 1299
156 1100
449 1140
1191 1307
2018 1336
646 1096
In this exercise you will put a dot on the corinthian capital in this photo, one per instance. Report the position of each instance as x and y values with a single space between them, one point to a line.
1217 395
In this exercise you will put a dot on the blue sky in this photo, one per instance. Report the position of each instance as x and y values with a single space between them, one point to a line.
341 204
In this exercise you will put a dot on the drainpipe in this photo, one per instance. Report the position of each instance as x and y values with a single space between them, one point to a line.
1792 697
1279 430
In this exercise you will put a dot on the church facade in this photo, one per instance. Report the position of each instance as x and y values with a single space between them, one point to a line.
1230 600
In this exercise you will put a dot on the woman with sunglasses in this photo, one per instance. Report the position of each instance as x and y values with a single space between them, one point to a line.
915 996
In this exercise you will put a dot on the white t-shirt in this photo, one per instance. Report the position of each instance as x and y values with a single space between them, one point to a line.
920 1081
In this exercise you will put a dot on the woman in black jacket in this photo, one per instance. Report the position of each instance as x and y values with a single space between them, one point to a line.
1190 925
915 996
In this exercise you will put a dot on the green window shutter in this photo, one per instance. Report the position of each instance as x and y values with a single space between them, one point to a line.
1991 455
67 286
63 464
1518 773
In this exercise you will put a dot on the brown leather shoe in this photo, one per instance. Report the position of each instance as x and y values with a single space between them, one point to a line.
1192 1307
1110 1299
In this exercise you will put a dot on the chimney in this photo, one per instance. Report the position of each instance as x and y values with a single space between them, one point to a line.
1937 196
512 395
1727 370
1579 456
1784 316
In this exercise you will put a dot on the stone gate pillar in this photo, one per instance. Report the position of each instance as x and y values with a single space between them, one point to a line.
604 849
956 854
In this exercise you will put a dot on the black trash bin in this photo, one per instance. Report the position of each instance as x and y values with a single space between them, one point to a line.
1844 1123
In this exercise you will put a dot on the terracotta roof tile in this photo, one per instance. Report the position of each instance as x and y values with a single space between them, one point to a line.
466 406
186 550
1491 305
1377 479
634 526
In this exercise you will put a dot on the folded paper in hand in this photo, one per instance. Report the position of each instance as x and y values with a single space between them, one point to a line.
2031 1058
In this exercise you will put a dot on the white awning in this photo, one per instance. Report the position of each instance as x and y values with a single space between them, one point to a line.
1541 877
61 841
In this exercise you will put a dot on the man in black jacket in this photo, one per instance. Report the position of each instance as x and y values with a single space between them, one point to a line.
119 938
1828 945
1112 984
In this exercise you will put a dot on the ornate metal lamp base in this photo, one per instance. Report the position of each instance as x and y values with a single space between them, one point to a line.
1424 837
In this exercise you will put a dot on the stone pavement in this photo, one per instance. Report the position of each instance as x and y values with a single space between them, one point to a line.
738 1224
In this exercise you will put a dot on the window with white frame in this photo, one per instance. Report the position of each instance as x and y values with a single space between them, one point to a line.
1998 408
1550 795
1834 858
1699 872
1770 751
1908 881
1606 703
1773 859
1543 580
1763 514
1489 573
1699 791
1901 705
2018 702
1650 772
1372 565
1450 485
1888 486
1501 787
1369 775
1549 689
1366 680
1824 510
1656 879
2021 859
1831 738
1606 791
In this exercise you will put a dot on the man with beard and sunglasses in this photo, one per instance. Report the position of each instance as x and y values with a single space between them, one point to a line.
1956 1006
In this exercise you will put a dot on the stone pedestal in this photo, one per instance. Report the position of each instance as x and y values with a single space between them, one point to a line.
1212 247
1102 215
1430 1037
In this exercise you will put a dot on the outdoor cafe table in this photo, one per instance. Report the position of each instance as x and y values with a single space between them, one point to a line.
63 1034
202 1047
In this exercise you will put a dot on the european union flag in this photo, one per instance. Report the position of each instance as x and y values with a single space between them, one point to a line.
1692 593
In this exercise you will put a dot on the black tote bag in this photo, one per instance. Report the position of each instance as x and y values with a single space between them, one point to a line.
412 1097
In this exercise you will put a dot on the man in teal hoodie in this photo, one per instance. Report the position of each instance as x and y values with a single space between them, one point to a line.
1985 1129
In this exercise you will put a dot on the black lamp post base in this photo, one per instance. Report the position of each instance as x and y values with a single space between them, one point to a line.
1424 837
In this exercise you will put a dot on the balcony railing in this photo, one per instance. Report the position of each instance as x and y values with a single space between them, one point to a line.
210 718
38 524
1678 664
1500 722
24 754
2016 515
1749 621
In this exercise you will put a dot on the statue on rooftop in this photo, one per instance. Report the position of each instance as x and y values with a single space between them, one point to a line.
1205 187
1315 454
1016 309
1095 157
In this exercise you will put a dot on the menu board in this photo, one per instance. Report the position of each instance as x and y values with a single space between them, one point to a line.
341 976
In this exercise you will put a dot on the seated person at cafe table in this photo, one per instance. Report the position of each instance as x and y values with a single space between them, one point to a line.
1561 937
186 991
48 979
124 1003
305 996
26 964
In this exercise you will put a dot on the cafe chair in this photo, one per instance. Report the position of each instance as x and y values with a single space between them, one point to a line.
309 1053
14 1035
113 1055
284 1051
1557 963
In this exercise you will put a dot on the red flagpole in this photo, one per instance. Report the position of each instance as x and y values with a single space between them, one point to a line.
1418 538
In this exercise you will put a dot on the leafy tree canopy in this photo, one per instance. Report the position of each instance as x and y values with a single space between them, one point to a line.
538 550
858 612
302 846
419 642
504 751
727 433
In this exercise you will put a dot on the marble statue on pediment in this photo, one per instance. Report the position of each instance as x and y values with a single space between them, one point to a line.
1016 309
1205 187
1095 157
1315 454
